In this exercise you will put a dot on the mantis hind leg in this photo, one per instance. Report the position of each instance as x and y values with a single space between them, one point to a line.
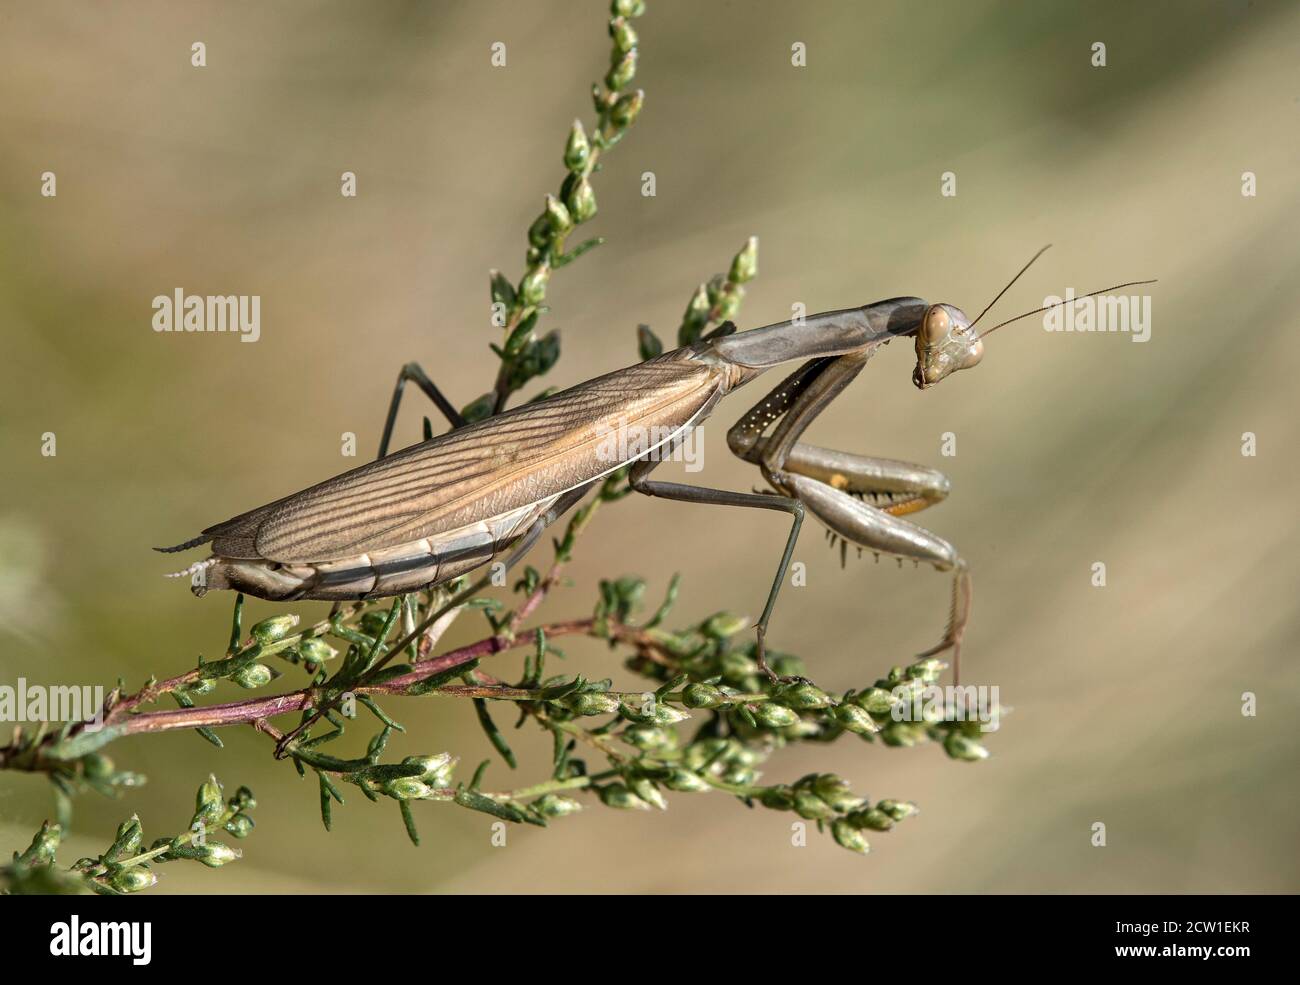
722 497
412 372
862 500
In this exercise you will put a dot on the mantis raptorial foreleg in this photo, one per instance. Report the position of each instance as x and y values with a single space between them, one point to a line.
827 481
722 497
413 373
882 530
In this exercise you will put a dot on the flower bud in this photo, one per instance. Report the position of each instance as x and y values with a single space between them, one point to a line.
407 788
97 765
772 715
372 623
243 799
806 696
700 695
558 216
624 112
897 809
649 738
533 288
617 795
645 788
876 700
847 836
659 712
778 798
703 751
729 304
208 802
578 150
722 625
695 317
539 233
855 719
963 747
254 675
647 343
275 628
927 670
744 267
554 805
808 805
686 781
740 776
601 99
44 845
622 33
835 791
592 703
134 879
214 854
127 842
316 650
873 818
581 200
622 71
431 765
241 826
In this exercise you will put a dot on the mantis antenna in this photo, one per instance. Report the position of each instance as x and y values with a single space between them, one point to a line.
1009 284
1049 307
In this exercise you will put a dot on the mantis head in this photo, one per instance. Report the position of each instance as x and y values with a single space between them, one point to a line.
945 343
946 340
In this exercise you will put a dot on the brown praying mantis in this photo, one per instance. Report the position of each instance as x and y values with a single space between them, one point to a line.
426 514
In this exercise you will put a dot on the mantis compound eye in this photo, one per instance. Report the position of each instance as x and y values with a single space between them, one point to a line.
936 326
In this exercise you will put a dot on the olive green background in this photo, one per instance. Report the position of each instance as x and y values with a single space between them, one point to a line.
1071 448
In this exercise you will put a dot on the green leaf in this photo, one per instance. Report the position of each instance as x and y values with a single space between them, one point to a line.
648 344
232 665
478 802
211 736
493 733
480 409
85 742
502 290
435 681
408 819
326 793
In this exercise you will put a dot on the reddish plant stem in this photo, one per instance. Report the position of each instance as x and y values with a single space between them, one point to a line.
255 711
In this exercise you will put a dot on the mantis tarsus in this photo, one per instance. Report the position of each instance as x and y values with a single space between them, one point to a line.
428 513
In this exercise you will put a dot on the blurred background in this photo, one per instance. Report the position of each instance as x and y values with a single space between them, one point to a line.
1071 448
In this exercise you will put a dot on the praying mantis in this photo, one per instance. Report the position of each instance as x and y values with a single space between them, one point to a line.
429 513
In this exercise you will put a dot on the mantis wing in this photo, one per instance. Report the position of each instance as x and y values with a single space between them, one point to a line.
474 473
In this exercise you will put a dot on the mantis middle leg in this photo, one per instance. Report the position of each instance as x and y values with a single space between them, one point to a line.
413 373
722 497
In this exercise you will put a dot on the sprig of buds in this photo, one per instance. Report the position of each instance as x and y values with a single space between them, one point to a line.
126 866
715 301
518 307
